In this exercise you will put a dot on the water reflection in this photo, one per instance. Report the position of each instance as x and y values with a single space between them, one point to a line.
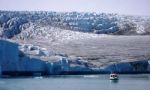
114 81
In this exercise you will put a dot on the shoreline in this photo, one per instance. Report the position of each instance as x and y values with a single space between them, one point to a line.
37 74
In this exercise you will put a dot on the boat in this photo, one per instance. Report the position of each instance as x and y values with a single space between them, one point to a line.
113 76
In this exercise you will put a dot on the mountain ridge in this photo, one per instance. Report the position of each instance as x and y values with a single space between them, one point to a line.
12 23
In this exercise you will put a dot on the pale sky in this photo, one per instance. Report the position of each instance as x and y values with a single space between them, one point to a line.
132 7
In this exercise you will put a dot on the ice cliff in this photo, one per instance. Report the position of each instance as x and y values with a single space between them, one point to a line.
8 56
33 60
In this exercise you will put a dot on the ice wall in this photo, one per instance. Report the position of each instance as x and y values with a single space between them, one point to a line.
8 56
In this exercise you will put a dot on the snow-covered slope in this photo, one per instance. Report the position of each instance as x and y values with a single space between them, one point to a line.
13 22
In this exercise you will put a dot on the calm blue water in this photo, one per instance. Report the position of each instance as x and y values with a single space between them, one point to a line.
80 82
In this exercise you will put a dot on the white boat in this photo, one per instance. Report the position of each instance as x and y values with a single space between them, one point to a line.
113 76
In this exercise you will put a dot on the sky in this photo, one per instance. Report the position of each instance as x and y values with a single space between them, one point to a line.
130 7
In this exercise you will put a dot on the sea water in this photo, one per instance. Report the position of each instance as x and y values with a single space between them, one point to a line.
77 82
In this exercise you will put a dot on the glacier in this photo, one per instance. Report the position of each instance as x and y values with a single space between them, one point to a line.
18 60
14 22
54 43
9 56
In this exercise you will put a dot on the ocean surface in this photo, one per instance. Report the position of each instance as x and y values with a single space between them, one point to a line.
77 82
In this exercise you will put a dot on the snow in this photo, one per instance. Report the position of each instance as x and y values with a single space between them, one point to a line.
12 23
